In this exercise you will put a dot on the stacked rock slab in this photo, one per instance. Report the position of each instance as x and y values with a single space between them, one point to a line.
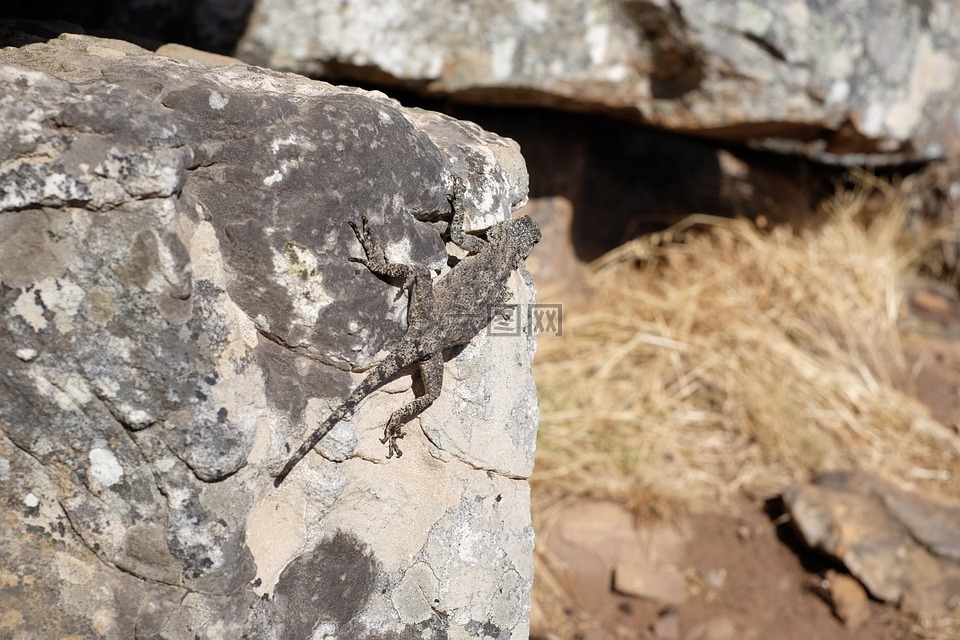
850 82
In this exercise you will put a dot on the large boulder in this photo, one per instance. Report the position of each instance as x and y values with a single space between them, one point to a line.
178 310
854 81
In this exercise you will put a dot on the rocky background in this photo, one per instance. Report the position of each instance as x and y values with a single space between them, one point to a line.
631 115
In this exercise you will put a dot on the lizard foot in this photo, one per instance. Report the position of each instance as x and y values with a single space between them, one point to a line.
363 236
391 433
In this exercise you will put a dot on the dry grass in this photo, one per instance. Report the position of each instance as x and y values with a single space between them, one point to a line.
737 357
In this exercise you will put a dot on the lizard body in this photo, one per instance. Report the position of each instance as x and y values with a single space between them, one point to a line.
439 318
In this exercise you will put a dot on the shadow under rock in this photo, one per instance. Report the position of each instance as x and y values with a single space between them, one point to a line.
210 25
812 561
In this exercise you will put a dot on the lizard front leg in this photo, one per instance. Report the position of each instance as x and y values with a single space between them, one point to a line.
431 374
416 275
458 235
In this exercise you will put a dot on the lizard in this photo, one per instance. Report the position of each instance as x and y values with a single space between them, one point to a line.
439 317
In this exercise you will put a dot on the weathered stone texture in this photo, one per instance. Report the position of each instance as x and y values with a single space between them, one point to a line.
177 309
840 81
903 547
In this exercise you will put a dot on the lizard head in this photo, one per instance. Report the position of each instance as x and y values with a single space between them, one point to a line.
520 235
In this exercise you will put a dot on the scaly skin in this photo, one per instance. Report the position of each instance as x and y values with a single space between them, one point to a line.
442 317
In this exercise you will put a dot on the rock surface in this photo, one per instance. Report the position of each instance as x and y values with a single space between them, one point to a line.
904 548
846 82
601 549
177 310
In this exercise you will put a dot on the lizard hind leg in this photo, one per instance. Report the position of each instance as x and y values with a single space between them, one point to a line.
431 374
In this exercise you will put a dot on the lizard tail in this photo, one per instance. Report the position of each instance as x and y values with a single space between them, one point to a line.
305 448
377 376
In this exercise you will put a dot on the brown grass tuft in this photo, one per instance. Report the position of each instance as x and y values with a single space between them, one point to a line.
737 357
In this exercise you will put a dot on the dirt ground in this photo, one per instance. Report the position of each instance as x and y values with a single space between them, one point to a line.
750 580
750 577
761 589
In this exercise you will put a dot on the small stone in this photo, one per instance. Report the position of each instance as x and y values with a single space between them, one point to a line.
667 626
716 629
31 500
848 599
930 301
716 578
26 354
641 581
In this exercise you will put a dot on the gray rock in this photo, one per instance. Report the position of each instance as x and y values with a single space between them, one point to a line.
900 545
177 309
849 82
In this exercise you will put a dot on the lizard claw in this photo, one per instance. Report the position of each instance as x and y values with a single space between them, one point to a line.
362 261
392 448
390 436
363 231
